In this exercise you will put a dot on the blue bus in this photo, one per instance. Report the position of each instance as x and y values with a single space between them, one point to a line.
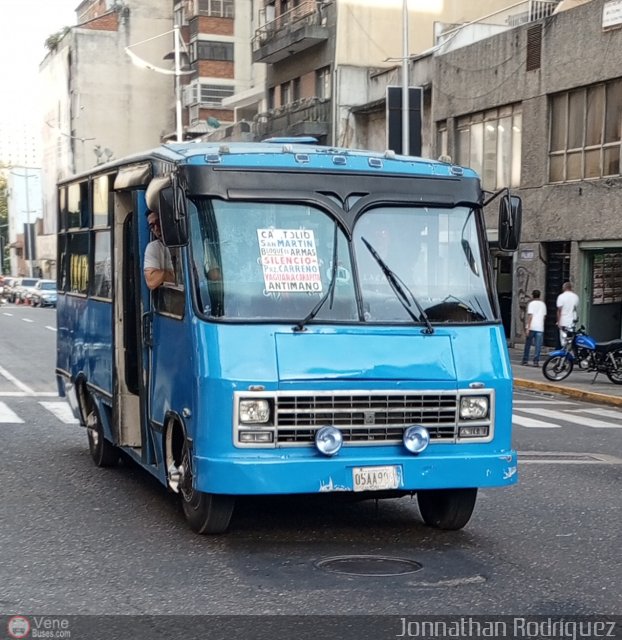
351 341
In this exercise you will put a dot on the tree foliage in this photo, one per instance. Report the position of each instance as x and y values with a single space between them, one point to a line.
53 40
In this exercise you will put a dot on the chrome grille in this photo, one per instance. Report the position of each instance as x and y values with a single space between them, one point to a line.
365 417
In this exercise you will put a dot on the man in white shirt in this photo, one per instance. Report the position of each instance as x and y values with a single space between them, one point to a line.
567 308
534 328
157 265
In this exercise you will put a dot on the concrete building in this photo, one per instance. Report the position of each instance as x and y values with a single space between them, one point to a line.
539 108
97 104
321 53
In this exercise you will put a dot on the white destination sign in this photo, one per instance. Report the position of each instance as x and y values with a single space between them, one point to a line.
289 260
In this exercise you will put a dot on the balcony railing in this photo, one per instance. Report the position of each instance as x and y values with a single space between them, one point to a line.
307 116
512 16
305 14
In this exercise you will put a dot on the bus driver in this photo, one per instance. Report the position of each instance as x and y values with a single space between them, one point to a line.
157 266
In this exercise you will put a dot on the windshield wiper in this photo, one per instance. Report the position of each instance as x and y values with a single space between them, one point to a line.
330 291
398 287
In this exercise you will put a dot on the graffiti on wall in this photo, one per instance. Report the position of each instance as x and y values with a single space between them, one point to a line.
523 294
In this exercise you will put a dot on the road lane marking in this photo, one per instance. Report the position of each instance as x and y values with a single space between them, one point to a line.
27 320
571 417
7 314
47 326
6 415
34 394
61 410
530 423
543 400
606 413
20 385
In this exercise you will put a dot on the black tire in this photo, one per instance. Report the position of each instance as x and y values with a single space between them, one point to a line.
615 375
103 452
208 512
557 368
448 509
205 512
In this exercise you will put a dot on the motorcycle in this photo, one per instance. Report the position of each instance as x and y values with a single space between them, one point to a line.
583 351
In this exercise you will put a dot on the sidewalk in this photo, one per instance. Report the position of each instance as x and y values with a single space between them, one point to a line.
579 384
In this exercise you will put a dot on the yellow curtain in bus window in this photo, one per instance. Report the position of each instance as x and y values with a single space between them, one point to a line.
289 260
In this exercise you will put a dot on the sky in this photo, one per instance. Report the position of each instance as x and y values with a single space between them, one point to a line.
24 27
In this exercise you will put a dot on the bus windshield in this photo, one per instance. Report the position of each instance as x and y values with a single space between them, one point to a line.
275 261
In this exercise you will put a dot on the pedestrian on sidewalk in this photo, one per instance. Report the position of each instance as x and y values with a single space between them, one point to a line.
567 310
534 328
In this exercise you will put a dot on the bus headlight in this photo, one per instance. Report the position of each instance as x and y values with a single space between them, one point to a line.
416 439
473 407
254 411
328 440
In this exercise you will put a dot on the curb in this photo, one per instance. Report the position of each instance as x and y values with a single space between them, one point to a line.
579 394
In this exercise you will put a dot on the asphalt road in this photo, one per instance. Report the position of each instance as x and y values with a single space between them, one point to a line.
75 539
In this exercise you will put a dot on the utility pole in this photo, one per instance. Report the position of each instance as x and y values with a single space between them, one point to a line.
405 96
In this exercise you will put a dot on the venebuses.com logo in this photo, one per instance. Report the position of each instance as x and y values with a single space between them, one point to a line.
18 627
38 627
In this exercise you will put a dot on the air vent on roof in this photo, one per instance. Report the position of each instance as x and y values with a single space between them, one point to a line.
534 47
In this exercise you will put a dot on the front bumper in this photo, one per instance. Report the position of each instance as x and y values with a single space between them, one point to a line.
291 474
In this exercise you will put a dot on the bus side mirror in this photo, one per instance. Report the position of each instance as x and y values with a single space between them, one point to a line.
173 218
510 220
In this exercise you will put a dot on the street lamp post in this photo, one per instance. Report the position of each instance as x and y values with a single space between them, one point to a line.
177 71
28 234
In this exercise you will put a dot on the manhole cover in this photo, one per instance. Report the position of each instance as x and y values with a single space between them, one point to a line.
369 565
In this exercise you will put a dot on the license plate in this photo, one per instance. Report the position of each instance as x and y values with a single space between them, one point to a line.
375 478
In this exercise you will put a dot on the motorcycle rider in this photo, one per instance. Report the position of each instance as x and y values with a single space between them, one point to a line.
567 309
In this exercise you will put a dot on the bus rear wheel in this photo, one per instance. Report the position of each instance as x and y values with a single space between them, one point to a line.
205 512
103 452
448 509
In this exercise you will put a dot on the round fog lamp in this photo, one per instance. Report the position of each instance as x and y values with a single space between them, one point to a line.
416 439
328 440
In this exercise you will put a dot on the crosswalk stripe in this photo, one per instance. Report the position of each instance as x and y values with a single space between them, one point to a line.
6 415
61 410
571 417
543 401
606 413
530 423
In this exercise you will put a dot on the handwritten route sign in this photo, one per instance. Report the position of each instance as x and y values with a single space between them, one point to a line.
289 260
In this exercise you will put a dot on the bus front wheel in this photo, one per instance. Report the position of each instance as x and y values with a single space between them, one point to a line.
448 509
205 512
208 512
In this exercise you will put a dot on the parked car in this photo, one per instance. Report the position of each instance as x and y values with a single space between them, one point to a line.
9 283
44 294
23 286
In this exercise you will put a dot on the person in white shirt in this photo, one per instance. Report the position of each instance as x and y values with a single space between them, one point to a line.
157 265
567 308
534 328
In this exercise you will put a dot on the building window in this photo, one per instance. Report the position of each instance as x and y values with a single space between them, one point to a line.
490 143
322 83
216 8
286 93
586 132
211 50
210 95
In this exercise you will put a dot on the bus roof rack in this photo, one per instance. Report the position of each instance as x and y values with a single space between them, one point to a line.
292 140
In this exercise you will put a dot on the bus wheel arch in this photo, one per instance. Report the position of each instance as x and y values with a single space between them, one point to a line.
205 512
